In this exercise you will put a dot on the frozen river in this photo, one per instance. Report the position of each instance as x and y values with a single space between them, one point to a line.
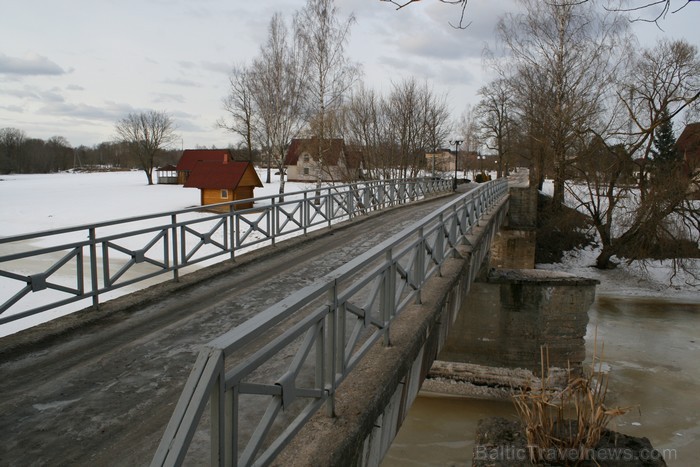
652 350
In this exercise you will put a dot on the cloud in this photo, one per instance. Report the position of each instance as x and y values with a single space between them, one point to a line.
166 97
74 87
110 112
12 108
218 67
182 82
31 64
34 93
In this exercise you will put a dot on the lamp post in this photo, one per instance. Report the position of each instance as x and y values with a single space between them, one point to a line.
456 142
481 163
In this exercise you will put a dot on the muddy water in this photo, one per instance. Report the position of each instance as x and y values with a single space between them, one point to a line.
651 350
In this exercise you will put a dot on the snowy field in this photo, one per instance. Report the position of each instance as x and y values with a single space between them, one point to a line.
33 203
46 202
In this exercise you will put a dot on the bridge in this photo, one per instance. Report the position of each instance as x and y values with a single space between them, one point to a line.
248 361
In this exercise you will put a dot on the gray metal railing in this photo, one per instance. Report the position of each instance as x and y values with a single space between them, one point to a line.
47 270
265 378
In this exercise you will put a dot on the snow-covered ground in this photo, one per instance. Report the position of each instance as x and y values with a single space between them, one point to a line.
46 202
33 203
654 279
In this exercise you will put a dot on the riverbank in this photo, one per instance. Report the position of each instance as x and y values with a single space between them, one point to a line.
651 280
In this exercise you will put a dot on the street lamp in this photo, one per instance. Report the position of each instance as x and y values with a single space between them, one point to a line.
456 142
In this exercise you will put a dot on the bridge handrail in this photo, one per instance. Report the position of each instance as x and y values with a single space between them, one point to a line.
393 271
109 255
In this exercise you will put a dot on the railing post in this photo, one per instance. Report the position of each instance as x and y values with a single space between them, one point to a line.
232 234
274 212
231 426
440 244
351 193
419 265
173 234
334 343
388 299
305 213
329 206
93 270
218 430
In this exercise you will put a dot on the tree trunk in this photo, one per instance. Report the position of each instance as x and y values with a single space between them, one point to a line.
269 163
603 261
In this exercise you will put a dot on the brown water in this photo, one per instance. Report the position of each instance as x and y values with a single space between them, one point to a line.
652 352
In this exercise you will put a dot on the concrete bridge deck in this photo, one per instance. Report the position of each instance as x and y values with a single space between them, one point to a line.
87 391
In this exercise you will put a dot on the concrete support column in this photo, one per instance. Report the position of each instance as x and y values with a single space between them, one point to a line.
510 314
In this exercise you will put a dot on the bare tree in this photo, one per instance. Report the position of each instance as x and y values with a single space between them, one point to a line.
364 129
323 37
238 104
652 217
569 51
417 121
277 88
146 134
496 119
672 84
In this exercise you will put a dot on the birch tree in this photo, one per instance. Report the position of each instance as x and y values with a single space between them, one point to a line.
277 90
323 37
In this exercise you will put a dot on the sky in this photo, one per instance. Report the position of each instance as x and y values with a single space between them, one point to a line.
74 68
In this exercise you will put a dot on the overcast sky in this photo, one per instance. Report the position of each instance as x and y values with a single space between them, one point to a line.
73 68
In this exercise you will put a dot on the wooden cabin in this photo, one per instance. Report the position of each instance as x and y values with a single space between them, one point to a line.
221 181
190 158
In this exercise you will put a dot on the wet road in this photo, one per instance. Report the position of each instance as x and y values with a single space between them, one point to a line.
104 396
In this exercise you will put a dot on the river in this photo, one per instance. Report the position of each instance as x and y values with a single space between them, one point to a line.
651 349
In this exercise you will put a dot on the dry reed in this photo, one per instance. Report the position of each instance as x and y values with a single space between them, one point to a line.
568 422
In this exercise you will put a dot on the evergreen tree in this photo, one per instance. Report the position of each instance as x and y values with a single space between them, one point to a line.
665 153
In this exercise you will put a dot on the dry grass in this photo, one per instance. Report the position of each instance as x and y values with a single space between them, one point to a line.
567 420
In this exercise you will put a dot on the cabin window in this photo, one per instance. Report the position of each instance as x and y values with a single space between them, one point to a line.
224 194
306 158
306 171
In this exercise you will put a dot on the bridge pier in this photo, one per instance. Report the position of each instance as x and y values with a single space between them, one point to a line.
510 314
512 311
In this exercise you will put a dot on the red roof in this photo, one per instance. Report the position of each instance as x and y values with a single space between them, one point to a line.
689 140
220 175
190 157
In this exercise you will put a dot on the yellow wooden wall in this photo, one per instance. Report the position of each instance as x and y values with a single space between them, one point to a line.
213 196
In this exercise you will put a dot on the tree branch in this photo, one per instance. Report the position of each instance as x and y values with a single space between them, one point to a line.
650 3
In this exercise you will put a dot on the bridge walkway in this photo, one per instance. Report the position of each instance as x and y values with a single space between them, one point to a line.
102 393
